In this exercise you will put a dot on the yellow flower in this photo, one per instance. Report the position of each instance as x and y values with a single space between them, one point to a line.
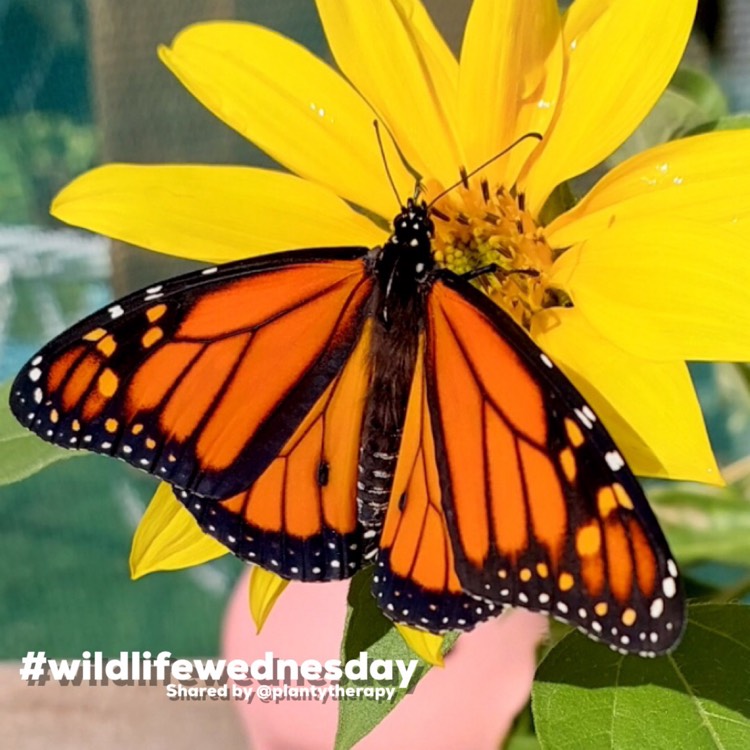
649 270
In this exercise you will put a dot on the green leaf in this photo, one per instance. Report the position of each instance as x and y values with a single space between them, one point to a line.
561 199
590 698
738 121
702 91
21 452
367 629
521 735
704 523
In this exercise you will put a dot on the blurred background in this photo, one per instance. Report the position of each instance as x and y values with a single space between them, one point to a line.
80 85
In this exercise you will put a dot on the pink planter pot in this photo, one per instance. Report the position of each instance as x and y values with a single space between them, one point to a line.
468 704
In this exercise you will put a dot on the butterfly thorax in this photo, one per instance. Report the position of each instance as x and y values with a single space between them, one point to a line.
403 269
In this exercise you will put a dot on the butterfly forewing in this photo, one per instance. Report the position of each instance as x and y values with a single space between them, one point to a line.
203 379
542 510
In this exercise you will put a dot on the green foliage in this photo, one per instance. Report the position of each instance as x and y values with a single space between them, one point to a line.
522 735
705 523
21 452
65 537
367 629
590 698
39 153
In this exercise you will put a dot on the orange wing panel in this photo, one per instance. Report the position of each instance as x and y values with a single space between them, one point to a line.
265 508
510 527
277 354
645 560
302 490
80 380
462 408
289 496
60 368
546 501
416 581
619 560
155 378
496 365
192 399
210 317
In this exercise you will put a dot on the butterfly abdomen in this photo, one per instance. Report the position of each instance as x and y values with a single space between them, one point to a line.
398 309
393 358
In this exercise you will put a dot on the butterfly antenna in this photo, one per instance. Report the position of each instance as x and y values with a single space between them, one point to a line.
413 172
385 161
465 177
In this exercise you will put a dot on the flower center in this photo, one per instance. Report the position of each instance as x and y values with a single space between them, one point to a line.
479 228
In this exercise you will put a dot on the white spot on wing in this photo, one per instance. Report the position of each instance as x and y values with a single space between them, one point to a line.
115 311
547 361
585 421
38 395
657 608
208 272
669 587
34 374
36 360
614 460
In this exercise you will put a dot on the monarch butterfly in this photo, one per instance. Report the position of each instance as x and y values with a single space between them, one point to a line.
320 410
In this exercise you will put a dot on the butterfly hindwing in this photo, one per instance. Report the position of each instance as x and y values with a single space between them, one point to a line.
416 582
299 518
202 380
542 510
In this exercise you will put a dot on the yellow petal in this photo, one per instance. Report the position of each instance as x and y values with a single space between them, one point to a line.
650 408
395 57
212 214
292 105
664 289
168 538
621 55
265 589
427 646
510 76
706 178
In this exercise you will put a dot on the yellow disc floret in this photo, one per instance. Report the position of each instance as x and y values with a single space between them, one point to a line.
477 228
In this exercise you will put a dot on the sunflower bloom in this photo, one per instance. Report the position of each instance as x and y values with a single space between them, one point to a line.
646 272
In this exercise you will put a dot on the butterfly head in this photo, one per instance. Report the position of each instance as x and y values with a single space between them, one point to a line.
413 228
